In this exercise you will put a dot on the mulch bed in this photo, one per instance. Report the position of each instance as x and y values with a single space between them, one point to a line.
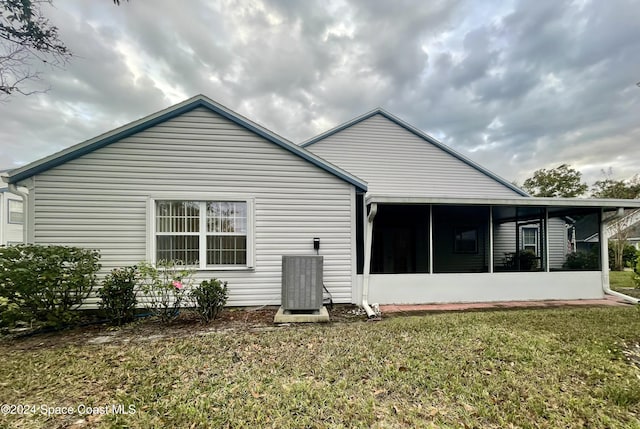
145 329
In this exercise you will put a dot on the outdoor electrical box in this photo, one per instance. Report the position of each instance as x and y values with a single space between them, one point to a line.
316 243
302 282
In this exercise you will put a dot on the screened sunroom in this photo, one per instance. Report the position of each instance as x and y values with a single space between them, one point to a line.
453 250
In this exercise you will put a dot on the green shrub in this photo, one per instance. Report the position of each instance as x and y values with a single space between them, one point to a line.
629 256
44 284
582 261
118 294
528 260
9 312
209 298
164 287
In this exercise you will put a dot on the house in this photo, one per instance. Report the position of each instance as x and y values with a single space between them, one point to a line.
634 236
199 183
11 218
400 217
626 227
441 228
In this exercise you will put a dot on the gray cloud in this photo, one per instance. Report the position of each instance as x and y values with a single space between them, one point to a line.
516 86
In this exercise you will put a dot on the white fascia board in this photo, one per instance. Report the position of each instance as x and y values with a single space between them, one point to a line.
518 201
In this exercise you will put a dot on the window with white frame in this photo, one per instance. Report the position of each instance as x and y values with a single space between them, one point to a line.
16 214
466 240
530 239
206 234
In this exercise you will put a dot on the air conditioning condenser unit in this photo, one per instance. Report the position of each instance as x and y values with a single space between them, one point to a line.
302 282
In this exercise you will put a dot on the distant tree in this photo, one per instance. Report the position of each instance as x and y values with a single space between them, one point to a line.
618 241
562 181
622 189
26 37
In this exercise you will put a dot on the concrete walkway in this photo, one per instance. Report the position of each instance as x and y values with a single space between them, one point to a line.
607 301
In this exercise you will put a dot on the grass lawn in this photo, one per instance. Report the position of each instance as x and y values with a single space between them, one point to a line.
527 368
621 279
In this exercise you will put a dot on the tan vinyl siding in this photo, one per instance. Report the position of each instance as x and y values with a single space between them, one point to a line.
395 162
446 260
100 200
558 245
446 220
504 241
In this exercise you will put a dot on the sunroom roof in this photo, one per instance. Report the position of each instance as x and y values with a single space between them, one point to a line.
611 204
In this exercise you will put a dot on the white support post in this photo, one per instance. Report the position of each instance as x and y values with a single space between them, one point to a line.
546 239
604 252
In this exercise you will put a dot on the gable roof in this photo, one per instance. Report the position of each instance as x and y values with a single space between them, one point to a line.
419 133
73 152
629 223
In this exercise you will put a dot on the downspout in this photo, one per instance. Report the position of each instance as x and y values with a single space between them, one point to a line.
25 210
604 257
367 261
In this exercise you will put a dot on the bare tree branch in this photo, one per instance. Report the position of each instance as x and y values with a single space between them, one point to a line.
27 38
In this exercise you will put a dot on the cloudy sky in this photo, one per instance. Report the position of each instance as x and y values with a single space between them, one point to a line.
514 85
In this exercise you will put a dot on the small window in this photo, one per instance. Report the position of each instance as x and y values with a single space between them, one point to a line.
16 214
466 240
530 239
206 234
226 233
178 231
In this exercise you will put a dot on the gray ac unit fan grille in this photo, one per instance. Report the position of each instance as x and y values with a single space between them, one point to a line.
302 282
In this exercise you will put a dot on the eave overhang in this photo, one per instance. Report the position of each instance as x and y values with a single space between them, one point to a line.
606 204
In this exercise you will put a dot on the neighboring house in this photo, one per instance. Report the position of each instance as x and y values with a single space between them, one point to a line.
634 236
627 228
401 218
11 218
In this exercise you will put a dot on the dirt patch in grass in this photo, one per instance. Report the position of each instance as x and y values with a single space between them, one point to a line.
634 292
632 352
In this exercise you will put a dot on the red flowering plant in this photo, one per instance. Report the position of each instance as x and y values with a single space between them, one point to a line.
163 286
